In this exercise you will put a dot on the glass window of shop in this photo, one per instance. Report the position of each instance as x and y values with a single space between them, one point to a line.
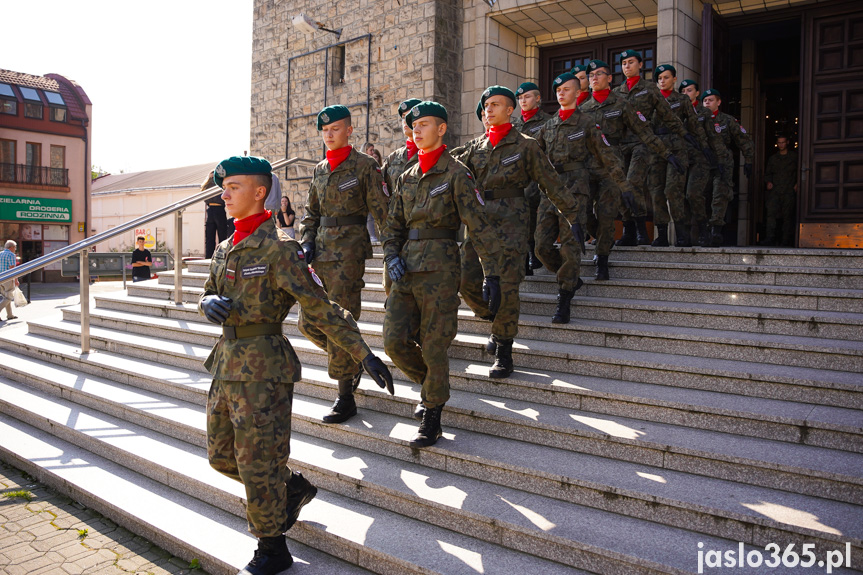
35 240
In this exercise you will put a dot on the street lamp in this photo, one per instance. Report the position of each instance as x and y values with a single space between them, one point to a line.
308 26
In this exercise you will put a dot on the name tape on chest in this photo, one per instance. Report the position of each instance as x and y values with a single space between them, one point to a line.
254 270
536 129
700 118
575 135
612 114
642 93
510 160
348 184
438 190
675 105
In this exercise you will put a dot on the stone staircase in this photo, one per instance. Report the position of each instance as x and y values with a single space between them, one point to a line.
700 399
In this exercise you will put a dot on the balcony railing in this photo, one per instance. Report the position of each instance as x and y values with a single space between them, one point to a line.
24 174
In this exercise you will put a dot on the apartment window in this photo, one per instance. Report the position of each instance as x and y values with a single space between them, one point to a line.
58 166
32 103
7 160
56 107
33 162
8 100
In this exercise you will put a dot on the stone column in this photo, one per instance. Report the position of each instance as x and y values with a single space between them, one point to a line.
678 36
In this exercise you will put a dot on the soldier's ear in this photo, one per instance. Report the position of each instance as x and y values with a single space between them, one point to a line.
441 129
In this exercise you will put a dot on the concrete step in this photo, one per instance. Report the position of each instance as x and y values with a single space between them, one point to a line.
20 401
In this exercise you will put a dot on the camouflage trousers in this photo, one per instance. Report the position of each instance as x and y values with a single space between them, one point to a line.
723 192
344 283
697 179
780 205
419 325
667 185
636 162
534 197
565 262
249 440
505 323
604 205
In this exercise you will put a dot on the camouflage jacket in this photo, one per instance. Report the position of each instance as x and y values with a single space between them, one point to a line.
531 127
355 188
264 275
514 163
619 122
730 130
394 166
442 198
574 141
782 171
703 115
646 99
682 108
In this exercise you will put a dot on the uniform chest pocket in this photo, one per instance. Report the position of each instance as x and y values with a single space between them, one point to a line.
347 193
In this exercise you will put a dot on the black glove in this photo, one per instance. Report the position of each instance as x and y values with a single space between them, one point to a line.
578 232
216 308
379 372
711 157
309 253
692 140
491 293
395 267
672 159
747 170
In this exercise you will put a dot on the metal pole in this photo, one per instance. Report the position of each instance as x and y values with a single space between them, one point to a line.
178 258
123 263
85 300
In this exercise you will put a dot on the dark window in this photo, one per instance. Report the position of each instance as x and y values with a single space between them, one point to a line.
648 62
7 160
56 107
8 100
32 103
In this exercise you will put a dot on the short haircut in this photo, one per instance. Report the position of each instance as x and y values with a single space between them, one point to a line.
783 136
140 239
11 244
265 180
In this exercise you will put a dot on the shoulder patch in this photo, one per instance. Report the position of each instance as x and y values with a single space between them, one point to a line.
378 169
301 255
386 189
742 129
718 128
315 276
604 139
640 116
479 197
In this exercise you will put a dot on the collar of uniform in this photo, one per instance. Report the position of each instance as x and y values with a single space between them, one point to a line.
254 240
440 166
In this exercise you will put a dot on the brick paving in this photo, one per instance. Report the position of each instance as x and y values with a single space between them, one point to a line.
53 535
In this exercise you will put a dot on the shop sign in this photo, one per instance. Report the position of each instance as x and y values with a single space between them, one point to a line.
14 208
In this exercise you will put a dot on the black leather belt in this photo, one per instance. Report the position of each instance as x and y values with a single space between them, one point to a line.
343 221
568 167
431 234
490 195
251 330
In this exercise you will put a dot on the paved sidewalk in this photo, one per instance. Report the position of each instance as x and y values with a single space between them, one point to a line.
53 535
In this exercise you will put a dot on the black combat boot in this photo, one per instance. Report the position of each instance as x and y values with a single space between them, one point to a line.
601 268
503 360
641 237
564 301
271 557
683 238
429 431
628 237
703 234
343 409
716 236
300 492
419 411
661 240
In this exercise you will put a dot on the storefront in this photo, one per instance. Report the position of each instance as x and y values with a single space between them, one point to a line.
40 226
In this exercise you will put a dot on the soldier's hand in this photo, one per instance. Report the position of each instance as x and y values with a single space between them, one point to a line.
747 170
395 267
309 252
672 159
578 232
216 308
379 372
692 140
711 157
491 293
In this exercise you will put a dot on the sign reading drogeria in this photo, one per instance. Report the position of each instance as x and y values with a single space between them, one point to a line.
35 209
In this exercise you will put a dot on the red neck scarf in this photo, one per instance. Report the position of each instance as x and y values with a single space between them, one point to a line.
336 157
601 95
565 114
498 133
579 100
247 226
429 159
412 148
714 114
527 115
666 93
630 82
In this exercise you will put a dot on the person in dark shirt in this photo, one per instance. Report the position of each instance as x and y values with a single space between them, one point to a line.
141 261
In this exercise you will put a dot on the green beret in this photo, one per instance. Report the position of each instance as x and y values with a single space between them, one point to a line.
498 91
662 68
479 110
526 87
241 166
630 54
579 68
332 114
406 106
686 83
711 92
563 79
596 64
423 109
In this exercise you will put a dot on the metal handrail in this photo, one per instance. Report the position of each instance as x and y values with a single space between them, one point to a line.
84 245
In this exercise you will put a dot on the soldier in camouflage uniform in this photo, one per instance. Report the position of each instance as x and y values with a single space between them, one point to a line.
505 162
645 99
700 164
569 139
529 122
781 179
730 130
431 199
667 185
398 162
256 275
619 122
345 188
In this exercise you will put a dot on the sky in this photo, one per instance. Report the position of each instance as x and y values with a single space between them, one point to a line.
170 81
